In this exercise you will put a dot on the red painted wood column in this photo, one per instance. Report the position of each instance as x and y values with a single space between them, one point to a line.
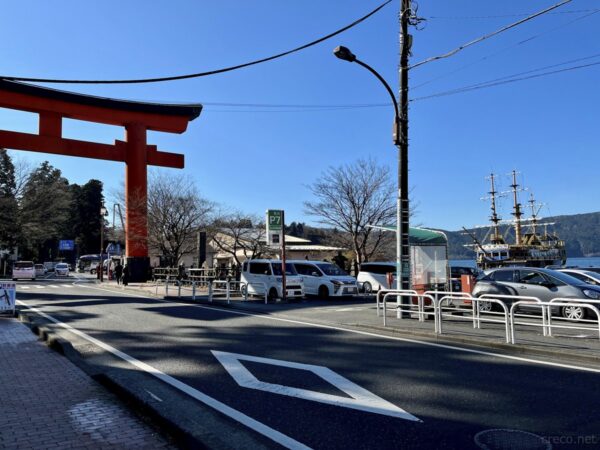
136 198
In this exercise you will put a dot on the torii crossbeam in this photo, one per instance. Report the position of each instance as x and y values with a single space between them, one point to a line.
137 118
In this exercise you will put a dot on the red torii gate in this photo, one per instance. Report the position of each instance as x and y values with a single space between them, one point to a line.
52 105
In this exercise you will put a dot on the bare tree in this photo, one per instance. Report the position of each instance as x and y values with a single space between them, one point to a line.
175 213
351 197
238 234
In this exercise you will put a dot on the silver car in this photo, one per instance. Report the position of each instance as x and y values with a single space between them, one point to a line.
544 284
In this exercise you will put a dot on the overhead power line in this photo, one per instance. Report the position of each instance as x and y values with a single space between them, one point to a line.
521 42
199 74
489 35
503 16
498 83
293 108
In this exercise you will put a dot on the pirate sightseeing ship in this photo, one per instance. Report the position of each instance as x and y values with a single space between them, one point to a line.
530 248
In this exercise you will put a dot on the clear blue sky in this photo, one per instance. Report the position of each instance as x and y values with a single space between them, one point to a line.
548 128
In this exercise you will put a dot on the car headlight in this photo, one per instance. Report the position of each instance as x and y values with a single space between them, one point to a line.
591 294
336 282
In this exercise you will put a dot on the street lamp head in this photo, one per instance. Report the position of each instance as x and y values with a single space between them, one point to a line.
344 53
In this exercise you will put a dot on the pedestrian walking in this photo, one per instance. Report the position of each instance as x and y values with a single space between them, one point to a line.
126 275
118 272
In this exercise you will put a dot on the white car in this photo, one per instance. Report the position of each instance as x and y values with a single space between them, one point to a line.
61 269
374 276
262 276
40 270
325 279
23 269
587 276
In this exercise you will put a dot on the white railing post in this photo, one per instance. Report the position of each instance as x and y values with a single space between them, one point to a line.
228 290
193 290
167 287
210 291
178 289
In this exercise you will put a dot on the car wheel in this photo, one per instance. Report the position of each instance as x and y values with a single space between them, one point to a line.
367 288
323 292
243 290
575 313
93 271
485 306
272 295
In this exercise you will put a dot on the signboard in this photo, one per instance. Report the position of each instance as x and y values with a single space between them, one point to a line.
66 245
274 226
8 294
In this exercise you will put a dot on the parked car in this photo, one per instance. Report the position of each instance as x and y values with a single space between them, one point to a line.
23 269
61 269
587 276
373 276
40 270
261 274
325 279
544 284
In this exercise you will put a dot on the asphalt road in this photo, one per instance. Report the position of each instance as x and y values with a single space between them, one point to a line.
368 391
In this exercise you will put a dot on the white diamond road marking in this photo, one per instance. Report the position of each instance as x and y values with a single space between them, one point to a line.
361 399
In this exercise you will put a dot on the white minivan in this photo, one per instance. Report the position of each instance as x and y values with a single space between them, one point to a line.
324 279
23 269
265 276
373 276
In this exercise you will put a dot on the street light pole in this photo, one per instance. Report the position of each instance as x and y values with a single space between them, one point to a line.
402 219
103 213
400 138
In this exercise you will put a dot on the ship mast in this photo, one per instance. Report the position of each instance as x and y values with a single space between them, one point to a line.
496 236
535 209
516 209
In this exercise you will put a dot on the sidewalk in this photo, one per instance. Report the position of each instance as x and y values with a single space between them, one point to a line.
48 403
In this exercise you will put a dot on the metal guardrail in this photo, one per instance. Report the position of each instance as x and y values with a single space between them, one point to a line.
383 292
565 302
234 286
509 315
410 307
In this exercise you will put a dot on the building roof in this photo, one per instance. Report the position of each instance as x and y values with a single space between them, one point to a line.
421 236
314 248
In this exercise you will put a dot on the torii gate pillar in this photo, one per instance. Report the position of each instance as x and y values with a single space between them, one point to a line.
137 118
136 193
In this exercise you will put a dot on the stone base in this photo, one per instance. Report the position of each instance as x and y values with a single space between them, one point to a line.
139 269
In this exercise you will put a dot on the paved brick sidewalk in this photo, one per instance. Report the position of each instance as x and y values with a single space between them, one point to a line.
46 402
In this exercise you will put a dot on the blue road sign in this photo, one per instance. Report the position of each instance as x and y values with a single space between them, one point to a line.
66 245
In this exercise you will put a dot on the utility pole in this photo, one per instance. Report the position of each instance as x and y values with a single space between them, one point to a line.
402 218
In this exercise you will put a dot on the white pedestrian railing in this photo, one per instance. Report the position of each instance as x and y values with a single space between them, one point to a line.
410 307
581 323
536 303
455 302
229 287
382 292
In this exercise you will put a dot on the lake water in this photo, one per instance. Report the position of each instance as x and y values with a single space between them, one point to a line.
579 262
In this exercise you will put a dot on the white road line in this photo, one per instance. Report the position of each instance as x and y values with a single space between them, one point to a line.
242 418
37 286
24 287
54 286
367 333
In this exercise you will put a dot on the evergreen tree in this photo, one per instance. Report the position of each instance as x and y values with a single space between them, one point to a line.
45 211
84 222
9 213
